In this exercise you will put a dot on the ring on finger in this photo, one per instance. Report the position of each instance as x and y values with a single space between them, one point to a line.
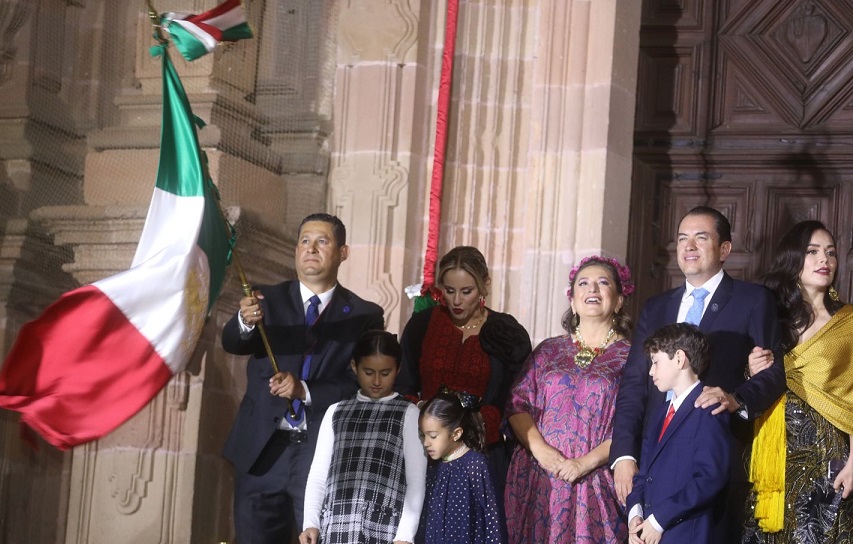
256 313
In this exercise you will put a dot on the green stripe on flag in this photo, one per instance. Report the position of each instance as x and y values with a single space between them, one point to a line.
183 172
180 171
188 45
237 32
213 239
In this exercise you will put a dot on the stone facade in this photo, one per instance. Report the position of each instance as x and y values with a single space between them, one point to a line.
332 107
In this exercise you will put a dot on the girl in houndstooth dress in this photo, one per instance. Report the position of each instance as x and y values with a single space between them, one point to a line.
367 479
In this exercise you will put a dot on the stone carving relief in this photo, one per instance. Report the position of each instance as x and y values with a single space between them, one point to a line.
132 474
377 31
13 15
377 196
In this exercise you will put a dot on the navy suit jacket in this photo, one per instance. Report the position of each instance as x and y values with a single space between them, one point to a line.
330 378
682 475
739 317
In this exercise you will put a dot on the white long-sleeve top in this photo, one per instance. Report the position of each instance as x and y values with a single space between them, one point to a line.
415 459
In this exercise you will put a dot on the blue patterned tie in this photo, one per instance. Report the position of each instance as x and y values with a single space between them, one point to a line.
310 318
694 314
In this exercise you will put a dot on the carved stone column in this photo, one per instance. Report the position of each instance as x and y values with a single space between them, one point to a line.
539 160
376 105
581 139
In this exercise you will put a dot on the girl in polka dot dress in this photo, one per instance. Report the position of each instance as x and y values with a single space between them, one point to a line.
461 506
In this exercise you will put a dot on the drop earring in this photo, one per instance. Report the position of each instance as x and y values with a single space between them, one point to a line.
833 294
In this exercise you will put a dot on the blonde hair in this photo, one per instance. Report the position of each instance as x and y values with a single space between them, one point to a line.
470 260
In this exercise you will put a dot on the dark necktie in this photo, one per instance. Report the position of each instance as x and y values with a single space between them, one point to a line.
310 318
694 314
666 420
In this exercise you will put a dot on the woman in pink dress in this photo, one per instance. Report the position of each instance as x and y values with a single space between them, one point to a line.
559 488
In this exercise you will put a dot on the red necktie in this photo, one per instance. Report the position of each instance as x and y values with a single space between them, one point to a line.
666 420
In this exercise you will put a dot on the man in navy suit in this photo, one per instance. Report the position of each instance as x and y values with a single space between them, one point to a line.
312 325
686 450
736 316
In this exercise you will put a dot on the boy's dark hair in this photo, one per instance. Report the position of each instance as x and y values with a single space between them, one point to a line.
377 342
448 409
681 336
338 228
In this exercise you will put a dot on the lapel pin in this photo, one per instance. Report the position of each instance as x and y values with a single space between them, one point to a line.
714 307
346 309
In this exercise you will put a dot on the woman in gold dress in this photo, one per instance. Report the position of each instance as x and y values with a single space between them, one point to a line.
807 435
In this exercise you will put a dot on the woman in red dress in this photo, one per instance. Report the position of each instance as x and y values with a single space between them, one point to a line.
464 345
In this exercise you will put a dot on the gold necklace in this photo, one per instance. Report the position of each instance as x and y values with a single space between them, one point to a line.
586 354
455 454
472 326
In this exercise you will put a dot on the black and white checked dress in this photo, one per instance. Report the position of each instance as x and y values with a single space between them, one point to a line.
367 476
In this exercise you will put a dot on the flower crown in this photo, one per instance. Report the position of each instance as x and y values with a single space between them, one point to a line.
623 271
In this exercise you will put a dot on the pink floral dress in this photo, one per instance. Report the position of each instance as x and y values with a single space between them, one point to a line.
572 408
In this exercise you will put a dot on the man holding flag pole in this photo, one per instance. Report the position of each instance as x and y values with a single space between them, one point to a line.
313 324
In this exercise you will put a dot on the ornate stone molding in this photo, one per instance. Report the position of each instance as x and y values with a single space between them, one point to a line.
372 30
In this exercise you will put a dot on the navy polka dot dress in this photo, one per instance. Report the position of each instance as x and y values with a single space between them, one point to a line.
461 506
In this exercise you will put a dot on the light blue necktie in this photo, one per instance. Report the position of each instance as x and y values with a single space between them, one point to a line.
310 318
694 314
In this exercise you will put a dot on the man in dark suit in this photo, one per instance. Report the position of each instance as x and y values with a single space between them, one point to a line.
686 450
312 325
736 316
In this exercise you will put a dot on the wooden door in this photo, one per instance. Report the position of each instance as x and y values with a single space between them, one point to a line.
746 106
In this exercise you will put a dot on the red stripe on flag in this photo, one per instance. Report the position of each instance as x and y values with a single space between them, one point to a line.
224 7
80 370
212 30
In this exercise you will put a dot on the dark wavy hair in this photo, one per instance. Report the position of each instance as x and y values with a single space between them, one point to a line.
783 278
448 410
622 323
377 342
681 336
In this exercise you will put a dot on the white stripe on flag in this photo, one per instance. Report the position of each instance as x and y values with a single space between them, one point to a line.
208 41
176 273
230 18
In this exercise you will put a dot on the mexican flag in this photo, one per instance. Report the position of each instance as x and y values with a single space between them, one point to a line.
98 354
197 35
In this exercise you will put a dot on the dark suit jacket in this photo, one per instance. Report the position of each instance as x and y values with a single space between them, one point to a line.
329 379
682 475
739 317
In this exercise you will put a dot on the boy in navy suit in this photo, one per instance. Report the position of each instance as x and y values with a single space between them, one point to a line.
686 452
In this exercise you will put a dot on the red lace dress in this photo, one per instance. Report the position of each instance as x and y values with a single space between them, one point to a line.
461 366
484 365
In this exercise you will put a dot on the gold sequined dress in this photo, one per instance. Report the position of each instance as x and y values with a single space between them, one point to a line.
818 421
